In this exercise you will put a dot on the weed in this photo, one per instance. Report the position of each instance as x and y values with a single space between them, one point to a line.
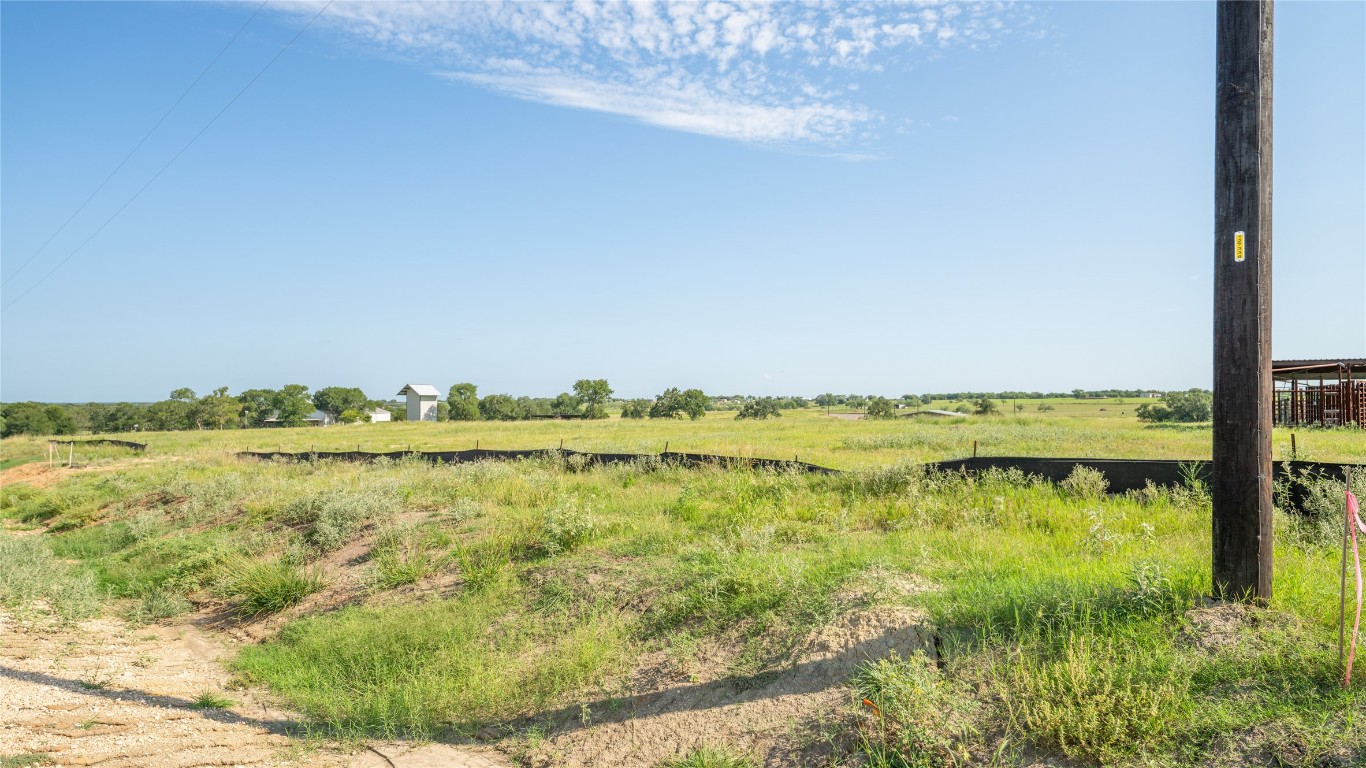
25 760
407 555
158 604
212 700
1101 701
566 527
710 757
912 715
1084 483
34 582
268 587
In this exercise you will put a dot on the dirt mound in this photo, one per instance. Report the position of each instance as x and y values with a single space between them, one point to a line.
1217 626
780 718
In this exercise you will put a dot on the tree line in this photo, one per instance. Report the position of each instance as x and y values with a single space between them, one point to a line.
292 404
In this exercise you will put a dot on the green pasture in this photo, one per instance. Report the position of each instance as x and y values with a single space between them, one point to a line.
1075 428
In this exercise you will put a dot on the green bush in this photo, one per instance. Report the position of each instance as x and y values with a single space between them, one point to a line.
564 528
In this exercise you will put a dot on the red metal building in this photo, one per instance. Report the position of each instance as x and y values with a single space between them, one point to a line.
1325 393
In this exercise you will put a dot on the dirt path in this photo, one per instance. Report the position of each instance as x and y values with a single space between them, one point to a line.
104 693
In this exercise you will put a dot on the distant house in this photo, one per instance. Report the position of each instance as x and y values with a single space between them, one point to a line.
379 414
421 401
314 419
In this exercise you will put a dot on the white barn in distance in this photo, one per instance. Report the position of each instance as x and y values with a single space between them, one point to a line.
421 401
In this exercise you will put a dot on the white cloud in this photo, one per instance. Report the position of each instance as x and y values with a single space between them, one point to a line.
782 73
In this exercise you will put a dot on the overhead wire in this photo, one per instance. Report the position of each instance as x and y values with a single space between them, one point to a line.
174 157
141 141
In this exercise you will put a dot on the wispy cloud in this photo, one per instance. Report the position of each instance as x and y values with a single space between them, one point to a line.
781 73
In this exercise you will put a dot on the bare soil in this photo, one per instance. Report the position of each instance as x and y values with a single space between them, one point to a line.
109 694
784 718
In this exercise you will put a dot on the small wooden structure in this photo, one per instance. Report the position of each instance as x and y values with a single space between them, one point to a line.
1322 393
421 401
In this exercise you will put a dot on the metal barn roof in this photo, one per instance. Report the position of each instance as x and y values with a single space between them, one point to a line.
421 390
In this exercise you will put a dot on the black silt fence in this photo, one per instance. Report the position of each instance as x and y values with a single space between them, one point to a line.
1134 474
119 443
1123 475
672 458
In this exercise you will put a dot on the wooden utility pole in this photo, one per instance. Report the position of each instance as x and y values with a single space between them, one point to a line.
1241 478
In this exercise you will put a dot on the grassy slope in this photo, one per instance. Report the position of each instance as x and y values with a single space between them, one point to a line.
1063 610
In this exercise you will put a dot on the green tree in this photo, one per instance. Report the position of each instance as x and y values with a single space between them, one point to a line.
593 393
857 402
1045 407
464 402
636 409
218 409
500 408
759 408
184 395
565 404
443 411
171 414
119 417
985 406
1190 406
880 408
334 400
291 405
257 406
351 416
674 404
27 418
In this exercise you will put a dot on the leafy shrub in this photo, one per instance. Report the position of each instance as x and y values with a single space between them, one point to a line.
564 528
337 515
636 409
915 717
1084 483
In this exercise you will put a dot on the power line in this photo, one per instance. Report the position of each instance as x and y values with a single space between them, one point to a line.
141 141
174 157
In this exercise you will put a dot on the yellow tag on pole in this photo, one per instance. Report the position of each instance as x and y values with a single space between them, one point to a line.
1239 254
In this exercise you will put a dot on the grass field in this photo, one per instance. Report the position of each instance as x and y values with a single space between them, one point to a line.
433 601
1075 429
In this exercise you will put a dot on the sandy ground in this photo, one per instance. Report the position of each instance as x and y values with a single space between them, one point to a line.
108 694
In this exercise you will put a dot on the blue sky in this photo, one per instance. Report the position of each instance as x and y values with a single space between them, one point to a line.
761 199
